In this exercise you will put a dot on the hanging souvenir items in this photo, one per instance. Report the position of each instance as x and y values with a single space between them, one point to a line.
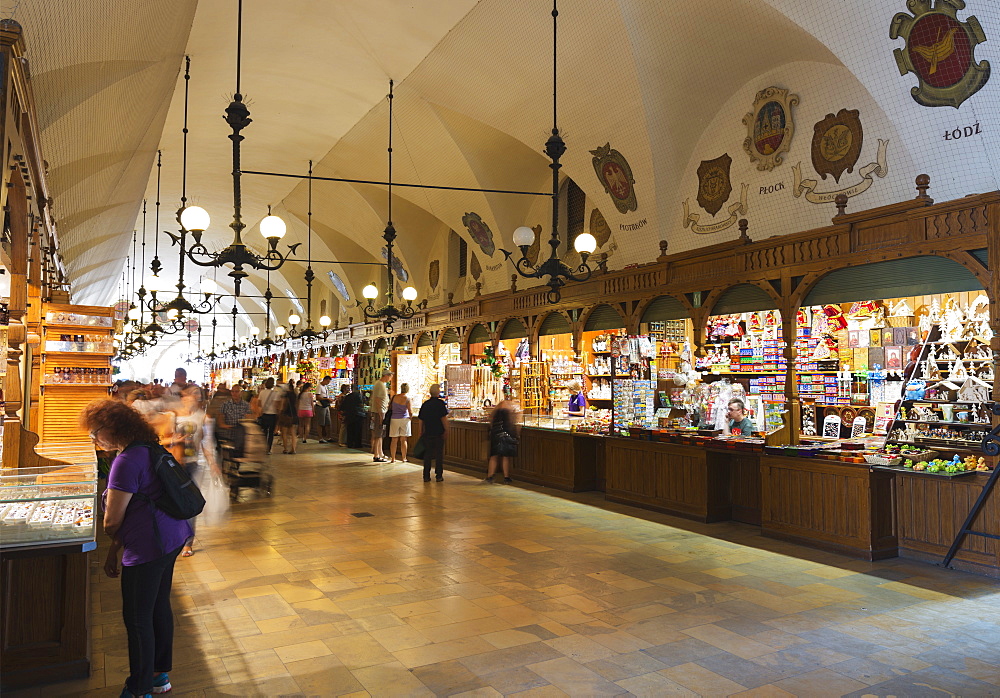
771 319
754 323
834 317
802 319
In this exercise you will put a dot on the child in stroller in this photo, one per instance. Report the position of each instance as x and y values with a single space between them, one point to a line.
243 460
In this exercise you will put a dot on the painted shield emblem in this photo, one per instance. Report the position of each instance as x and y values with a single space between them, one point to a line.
770 127
480 232
836 143
475 268
714 186
615 176
434 274
940 51
599 227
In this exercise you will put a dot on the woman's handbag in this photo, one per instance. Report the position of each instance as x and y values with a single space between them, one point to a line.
506 445
387 419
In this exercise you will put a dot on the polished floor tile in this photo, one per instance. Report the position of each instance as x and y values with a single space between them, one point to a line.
455 589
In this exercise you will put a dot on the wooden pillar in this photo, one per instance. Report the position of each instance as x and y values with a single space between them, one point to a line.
793 408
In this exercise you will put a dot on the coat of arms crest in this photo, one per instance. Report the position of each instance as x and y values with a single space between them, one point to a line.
940 50
836 143
770 127
714 186
434 274
616 177
480 232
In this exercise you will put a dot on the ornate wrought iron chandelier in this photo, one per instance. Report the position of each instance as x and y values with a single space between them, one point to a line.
388 313
307 334
195 219
557 271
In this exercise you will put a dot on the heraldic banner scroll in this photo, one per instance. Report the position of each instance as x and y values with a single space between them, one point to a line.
807 187
736 210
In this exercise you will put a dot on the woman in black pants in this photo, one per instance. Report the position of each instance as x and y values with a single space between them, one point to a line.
148 539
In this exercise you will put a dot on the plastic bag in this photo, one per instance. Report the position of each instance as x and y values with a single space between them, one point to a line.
216 494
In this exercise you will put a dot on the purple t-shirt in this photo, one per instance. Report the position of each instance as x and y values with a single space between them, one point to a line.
132 471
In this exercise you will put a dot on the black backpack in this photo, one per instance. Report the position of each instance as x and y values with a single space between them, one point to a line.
181 498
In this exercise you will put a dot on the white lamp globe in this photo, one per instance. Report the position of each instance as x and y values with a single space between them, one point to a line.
524 236
585 243
279 330
409 293
370 291
272 227
172 313
325 321
208 285
195 218
294 319
129 328
255 330
133 314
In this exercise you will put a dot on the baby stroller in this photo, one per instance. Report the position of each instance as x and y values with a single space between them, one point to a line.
243 461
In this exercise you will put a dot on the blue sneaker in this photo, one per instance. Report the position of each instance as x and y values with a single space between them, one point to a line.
161 683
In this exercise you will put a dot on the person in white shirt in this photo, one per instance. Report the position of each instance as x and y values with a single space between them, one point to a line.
321 410
378 404
266 404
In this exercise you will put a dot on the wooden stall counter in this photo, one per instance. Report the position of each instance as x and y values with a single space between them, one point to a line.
553 458
843 507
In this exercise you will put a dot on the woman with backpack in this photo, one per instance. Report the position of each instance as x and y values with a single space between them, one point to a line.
148 539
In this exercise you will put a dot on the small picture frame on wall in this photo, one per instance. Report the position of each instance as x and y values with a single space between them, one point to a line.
912 336
853 339
899 335
894 358
875 338
887 337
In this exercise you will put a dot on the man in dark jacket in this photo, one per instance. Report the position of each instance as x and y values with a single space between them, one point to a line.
352 411
434 416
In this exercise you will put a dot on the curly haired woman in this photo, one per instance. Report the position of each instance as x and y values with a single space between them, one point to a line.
148 539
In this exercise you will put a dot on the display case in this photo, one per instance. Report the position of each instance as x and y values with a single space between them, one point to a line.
546 421
47 505
75 368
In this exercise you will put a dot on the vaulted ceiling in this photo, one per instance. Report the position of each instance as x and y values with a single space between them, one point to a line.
666 83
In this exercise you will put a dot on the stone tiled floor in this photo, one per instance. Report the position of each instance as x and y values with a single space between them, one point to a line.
460 588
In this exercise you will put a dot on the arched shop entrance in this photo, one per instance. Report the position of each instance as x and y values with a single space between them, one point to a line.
892 328
479 341
512 349
743 346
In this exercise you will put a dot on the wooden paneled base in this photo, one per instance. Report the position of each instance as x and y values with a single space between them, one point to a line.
557 459
841 507
671 478
46 610
931 510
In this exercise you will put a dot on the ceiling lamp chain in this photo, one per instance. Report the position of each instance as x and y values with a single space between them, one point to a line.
557 271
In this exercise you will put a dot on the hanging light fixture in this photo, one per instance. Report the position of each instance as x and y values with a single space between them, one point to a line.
181 304
308 334
557 271
196 220
389 313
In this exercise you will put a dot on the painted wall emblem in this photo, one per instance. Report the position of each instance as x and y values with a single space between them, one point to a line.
339 284
836 147
475 268
599 227
770 127
714 189
434 274
836 143
480 232
940 51
616 177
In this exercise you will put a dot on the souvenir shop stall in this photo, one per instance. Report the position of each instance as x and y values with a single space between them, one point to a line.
55 358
